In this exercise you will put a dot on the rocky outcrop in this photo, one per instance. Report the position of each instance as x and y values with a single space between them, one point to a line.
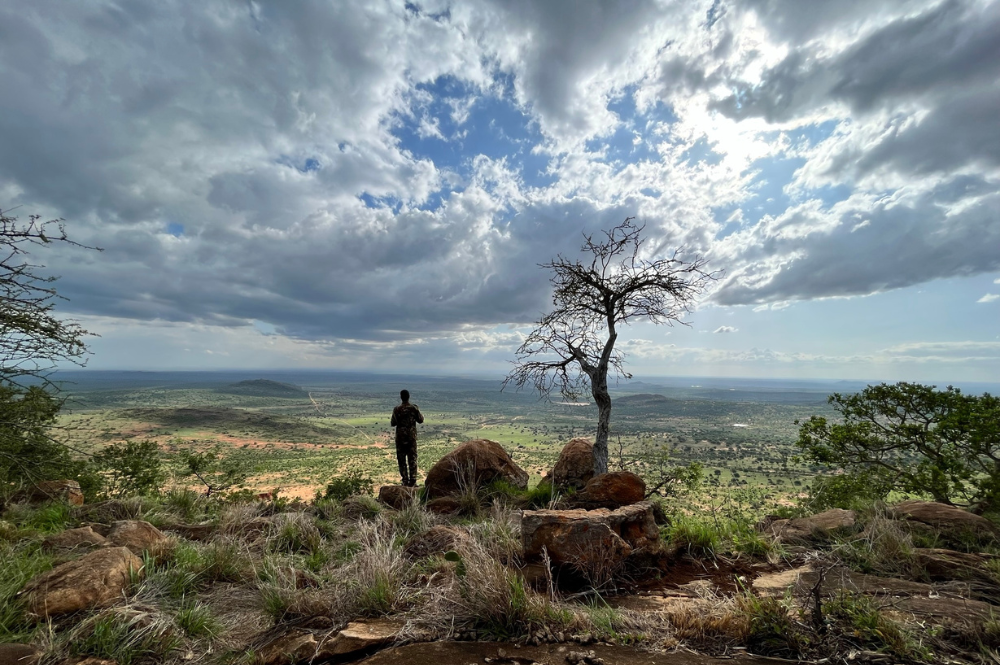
95 580
951 522
52 490
436 540
807 529
477 463
84 537
397 497
573 536
575 466
610 490
137 535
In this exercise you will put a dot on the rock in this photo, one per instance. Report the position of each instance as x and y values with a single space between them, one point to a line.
94 580
575 466
436 540
361 636
397 497
636 524
84 537
806 529
479 462
610 490
137 535
445 505
949 521
572 537
19 654
944 565
297 645
52 490
293 646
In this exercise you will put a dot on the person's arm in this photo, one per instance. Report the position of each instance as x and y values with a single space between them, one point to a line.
420 416
392 421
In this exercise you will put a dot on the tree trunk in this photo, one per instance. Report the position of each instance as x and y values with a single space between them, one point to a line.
599 388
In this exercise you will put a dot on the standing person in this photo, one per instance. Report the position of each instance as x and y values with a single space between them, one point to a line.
405 418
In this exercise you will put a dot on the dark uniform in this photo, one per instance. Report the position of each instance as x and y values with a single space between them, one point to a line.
405 418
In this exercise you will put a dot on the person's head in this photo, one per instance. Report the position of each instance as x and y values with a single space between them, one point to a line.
404 395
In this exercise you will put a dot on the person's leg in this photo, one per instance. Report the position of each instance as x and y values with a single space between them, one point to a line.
411 457
401 451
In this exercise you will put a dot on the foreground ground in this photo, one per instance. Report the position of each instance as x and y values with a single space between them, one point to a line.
272 582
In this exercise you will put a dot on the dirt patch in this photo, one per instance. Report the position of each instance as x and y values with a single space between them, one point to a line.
462 653
721 573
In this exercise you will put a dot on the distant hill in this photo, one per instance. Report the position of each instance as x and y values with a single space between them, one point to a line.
645 401
263 388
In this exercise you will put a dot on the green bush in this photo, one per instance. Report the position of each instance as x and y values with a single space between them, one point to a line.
698 538
869 625
352 483
130 468
851 491
18 564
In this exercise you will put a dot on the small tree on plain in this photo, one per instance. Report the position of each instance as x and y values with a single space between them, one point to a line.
573 346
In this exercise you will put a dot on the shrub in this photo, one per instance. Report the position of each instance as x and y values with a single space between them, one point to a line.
851 491
352 483
698 538
130 468
771 630
197 620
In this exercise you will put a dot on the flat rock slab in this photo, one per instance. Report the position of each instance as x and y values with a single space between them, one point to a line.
362 636
464 653
946 519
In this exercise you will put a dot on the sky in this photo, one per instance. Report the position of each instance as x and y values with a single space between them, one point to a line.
373 185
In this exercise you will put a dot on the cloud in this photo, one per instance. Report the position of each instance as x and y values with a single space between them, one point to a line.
386 176
989 297
725 329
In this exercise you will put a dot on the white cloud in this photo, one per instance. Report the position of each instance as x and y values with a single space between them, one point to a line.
989 297
725 329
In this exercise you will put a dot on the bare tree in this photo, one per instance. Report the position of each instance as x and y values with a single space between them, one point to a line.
573 346
33 340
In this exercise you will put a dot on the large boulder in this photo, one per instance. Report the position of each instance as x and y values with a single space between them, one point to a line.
575 466
477 462
83 537
806 529
398 497
951 522
95 580
577 538
137 535
610 490
569 535
52 490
